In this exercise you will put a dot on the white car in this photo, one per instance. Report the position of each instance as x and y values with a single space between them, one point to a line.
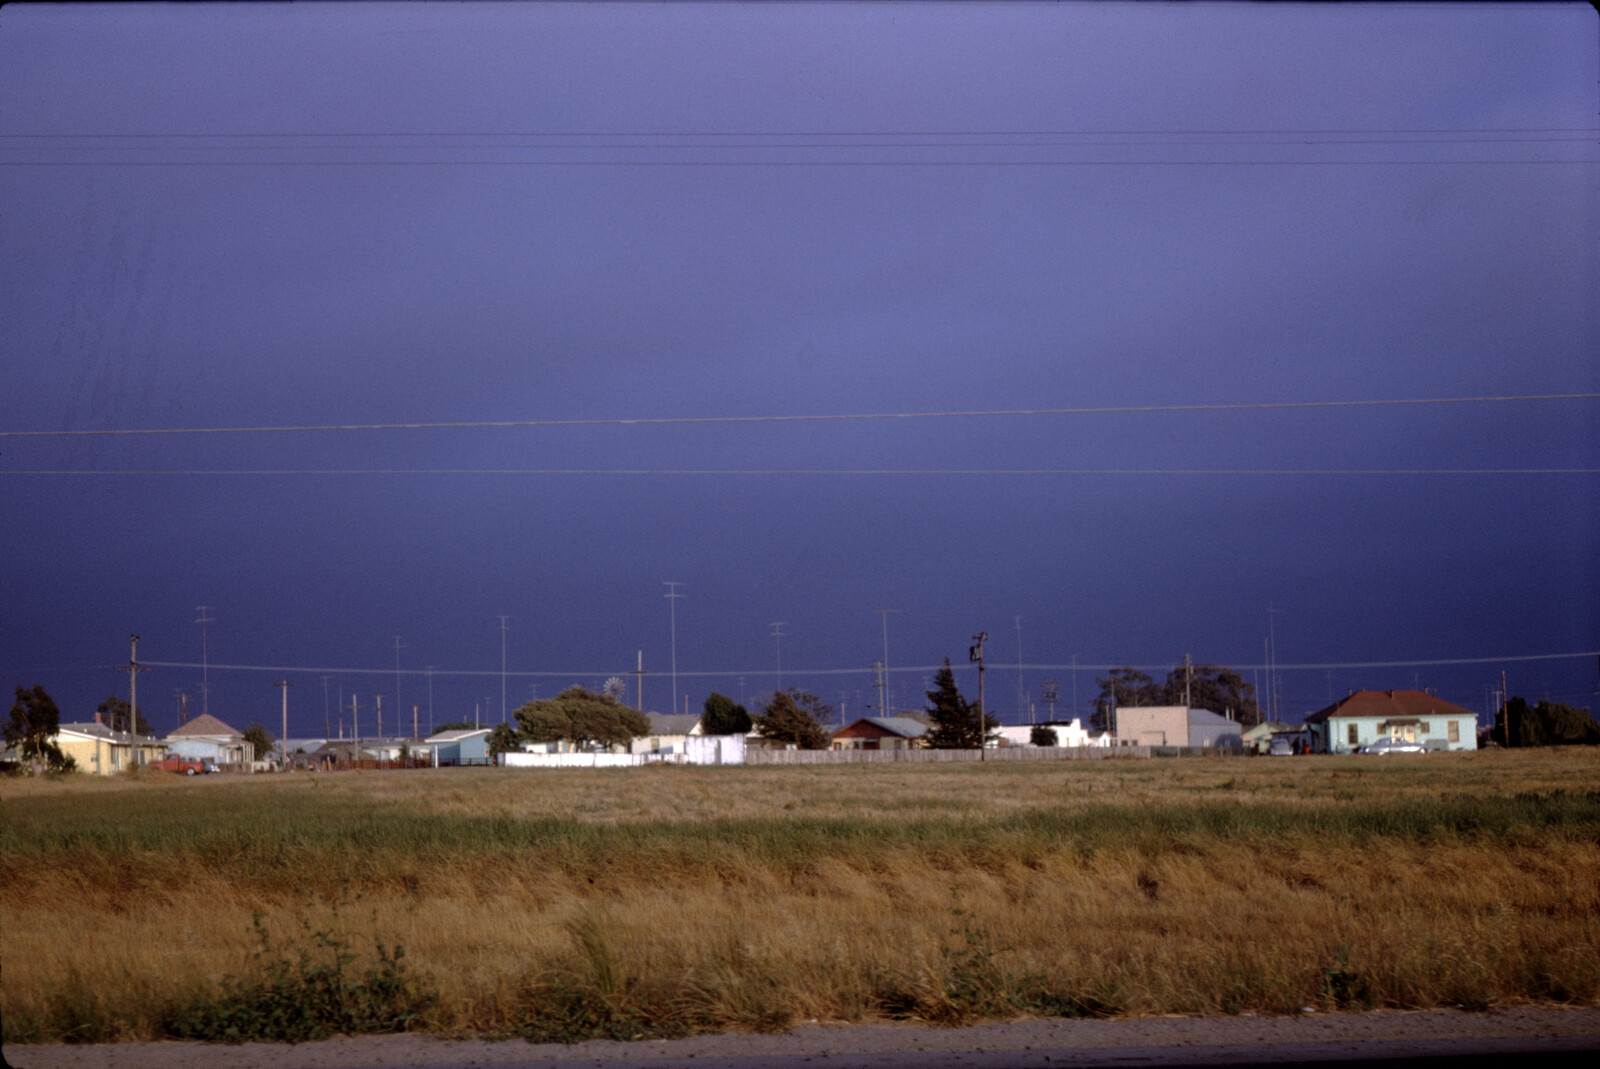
1391 744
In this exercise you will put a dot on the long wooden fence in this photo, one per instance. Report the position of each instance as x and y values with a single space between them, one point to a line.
1003 753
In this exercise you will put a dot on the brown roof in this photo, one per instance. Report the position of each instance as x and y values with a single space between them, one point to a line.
204 726
1394 704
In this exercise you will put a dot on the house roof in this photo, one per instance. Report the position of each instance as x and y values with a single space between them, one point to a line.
1390 704
901 726
1273 727
457 735
101 731
672 723
204 726
1206 716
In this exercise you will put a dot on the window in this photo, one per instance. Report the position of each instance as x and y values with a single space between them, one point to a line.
1453 730
1352 736
1426 727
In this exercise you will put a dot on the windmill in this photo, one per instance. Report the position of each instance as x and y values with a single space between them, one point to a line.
614 688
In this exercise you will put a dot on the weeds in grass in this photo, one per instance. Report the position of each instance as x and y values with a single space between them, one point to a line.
312 994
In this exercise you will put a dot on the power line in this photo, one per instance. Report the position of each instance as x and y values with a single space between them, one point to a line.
794 163
857 670
802 471
1240 406
1326 132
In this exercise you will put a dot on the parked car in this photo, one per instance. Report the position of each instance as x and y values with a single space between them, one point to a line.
1391 744
1280 747
211 766
189 766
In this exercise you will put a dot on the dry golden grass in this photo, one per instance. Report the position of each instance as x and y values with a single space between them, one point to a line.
680 898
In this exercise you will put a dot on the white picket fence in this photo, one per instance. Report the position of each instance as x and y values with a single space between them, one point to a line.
1002 753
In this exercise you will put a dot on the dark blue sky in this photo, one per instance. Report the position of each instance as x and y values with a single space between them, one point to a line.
312 215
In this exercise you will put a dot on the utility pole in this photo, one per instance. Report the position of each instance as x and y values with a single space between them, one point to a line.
1272 659
672 597
414 734
1188 675
283 740
638 679
879 684
205 675
1021 698
183 706
884 615
1505 712
355 724
327 720
975 653
777 638
430 699
133 671
397 705
378 711
1051 692
503 669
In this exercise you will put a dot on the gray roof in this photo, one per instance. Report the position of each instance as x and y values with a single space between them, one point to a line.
903 726
672 723
457 735
1206 716
120 737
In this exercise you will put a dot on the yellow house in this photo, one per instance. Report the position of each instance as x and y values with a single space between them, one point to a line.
99 750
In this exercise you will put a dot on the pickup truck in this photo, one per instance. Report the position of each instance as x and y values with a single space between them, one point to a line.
189 766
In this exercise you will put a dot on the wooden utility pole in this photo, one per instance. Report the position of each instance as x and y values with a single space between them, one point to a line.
975 653
133 671
638 676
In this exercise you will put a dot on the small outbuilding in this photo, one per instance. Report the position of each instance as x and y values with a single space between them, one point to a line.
467 746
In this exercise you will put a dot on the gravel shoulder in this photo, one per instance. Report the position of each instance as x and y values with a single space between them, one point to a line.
1033 1042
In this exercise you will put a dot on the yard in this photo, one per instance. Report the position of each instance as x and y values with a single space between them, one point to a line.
669 900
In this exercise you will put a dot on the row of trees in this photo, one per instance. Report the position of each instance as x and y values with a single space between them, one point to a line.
1546 724
1207 686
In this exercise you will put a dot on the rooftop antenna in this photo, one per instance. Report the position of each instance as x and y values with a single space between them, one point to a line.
672 597
777 638
205 675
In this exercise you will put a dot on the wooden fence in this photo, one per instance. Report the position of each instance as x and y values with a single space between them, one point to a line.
878 757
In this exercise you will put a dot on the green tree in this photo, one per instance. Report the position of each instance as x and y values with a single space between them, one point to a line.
1547 724
502 739
1212 687
260 739
1041 735
723 717
114 714
583 717
1124 686
955 720
32 728
793 716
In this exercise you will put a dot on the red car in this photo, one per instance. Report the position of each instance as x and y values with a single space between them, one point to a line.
189 766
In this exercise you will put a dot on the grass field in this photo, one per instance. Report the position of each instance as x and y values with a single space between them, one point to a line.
668 900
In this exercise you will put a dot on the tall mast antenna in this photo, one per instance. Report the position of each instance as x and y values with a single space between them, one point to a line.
205 675
672 597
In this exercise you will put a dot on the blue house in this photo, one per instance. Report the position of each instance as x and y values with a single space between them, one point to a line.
1412 715
465 747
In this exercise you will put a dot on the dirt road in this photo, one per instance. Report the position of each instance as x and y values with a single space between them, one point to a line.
1561 1033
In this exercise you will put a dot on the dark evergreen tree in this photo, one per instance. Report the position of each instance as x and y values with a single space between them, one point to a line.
114 714
793 716
723 717
1042 735
955 720
32 728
